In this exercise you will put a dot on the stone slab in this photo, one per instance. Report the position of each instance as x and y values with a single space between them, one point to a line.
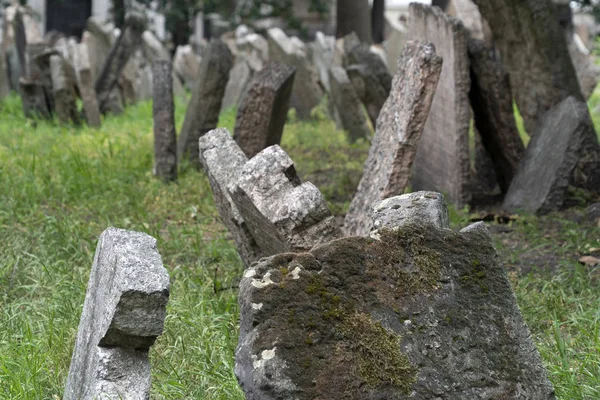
348 105
163 111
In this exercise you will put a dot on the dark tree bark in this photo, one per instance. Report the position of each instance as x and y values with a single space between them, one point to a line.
118 11
443 4
378 20
353 16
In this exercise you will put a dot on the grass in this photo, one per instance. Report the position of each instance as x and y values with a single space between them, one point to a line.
60 187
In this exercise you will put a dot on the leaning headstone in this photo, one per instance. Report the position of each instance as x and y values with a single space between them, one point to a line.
368 88
203 110
348 105
542 179
163 110
263 110
492 104
397 137
186 64
281 213
85 80
323 53
33 99
123 314
63 89
418 312
223 161
239 79
306 93
125 46
442 161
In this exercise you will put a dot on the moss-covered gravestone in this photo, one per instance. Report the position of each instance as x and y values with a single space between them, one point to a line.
416 311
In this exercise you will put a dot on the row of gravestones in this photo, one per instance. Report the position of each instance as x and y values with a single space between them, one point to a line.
407 308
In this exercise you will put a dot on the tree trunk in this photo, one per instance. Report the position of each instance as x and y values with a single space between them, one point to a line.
118 11
353 16
378 20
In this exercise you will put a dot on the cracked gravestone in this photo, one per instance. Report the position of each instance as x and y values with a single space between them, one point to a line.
163 110
85 80
348 105
263 109
417 311
123 314
442 160
399 128
63 90
203 109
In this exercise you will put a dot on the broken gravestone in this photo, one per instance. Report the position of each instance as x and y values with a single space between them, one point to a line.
163 110
442 161
542 179
263 110
203 109
63 90
399 129
123 314
417 311
85 80
348 105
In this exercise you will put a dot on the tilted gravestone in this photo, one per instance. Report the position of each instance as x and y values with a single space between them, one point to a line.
442 160
369 89
263 110
239 79
418 311
125 46
163 110
399 128
542 179
63 90
85 80
123 314
348 105
492 104
306 93
203 109
33 99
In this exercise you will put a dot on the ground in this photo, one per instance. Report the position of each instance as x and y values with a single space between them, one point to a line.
60 187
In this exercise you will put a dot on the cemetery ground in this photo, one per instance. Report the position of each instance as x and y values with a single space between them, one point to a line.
60 187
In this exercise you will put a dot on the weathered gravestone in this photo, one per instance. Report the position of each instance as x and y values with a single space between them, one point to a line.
442 160
186 64
123 314
203 109
492 104
368 88
4 80
63 90
323 53
33 99
263 110
125 46
282 213
542 179
396 40
163 110
85 81
239 79
154 50
356 52
306 93
399 129
348 105
40 70
417 312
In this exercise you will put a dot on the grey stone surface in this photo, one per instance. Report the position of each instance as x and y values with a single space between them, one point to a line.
163 111
585 68
63 89
120 53
187 65
442 160
4 80
239 79
420 313
348 105
323 54
397 137
154 50
39 69
369 89
85 80
356 52
262 113
203 109
395 41
123 314
306 93
543 176
223 161
281 213
33 99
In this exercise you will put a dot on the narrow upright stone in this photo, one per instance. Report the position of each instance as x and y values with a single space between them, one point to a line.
123 314
203 109
4 79
186 65
63 88
163 110
399 129
442 160
262 113
348 105
33 99
126 45
85 80
239 79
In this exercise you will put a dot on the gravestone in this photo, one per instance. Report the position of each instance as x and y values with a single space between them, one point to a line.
542 179
254 43
492 104
125 46
40 70
323 53
223 161
442 161
306 93
281 213
163 110
4 80
33 99
63 90
263 110
356 52
85 80
239 79
399 129
417 312
369 89
187 65
395 41
123 314
348 105
154 50
585 68
203 109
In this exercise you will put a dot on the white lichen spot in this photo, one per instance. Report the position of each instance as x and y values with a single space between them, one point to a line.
407 323
265 281
256 306
375 235
250 273
296 273
266 355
